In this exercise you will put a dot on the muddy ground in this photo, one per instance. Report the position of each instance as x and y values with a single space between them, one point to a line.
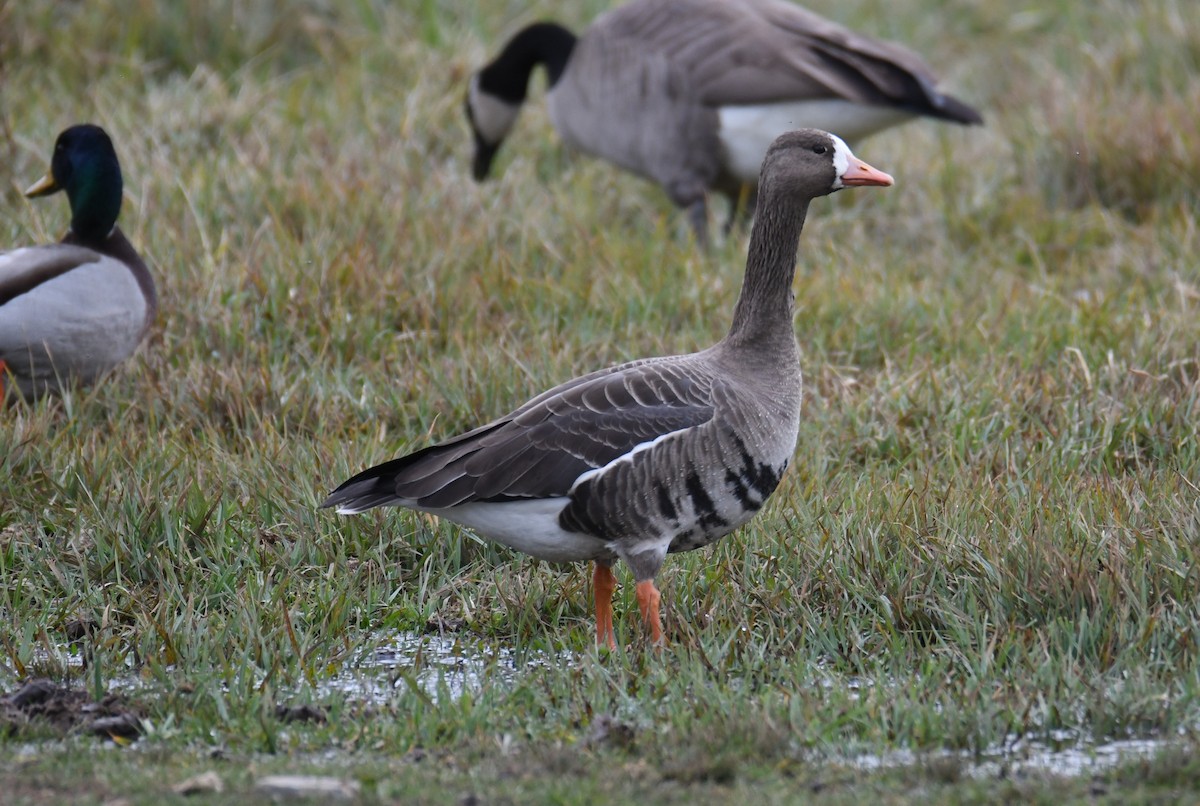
41 706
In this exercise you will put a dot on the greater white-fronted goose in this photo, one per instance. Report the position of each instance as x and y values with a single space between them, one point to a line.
653 456
73 310
689 93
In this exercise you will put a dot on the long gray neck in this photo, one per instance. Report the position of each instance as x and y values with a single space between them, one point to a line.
763 314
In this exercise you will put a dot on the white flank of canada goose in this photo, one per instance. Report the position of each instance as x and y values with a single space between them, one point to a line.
73 310
649 457
689 93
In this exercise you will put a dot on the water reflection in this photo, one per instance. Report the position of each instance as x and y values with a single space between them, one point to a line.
433 666
1026 756
437 666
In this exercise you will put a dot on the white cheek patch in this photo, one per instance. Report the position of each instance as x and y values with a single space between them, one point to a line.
493 117
842 155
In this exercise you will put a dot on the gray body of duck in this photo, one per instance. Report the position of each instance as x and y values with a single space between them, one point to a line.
71 311
650 457
689 93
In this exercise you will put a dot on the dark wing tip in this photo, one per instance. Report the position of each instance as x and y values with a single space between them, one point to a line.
952 109
371 488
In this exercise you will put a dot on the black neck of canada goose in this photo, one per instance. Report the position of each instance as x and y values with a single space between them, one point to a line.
507 78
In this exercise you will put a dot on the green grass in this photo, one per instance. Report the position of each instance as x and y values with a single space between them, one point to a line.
992 522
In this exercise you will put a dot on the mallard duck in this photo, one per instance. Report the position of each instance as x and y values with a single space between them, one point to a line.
649 457
689 93
73 310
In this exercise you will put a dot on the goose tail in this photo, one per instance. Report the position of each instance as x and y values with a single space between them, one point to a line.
950 108
374 487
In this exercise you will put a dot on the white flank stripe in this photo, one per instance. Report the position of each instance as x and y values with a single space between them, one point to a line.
625 457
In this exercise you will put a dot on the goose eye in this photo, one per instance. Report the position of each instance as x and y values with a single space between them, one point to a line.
819 149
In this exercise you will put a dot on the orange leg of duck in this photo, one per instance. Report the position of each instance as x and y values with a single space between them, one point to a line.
3 372
604 582
648 599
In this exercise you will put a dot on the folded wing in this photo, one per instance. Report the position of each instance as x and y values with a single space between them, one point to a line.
539 450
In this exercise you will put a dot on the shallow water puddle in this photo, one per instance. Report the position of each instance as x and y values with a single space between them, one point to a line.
435 665
387 666
1078 760
1028 756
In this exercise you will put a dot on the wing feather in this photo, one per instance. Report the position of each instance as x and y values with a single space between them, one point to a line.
539 450
768 51
23 270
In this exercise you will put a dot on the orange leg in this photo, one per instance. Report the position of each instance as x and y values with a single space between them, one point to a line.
648 599
604 582
3 372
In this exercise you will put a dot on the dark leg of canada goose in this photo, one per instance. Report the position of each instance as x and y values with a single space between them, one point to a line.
691 195
741 208
604 582
697 213
648 599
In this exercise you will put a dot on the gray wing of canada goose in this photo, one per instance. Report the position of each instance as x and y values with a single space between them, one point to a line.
539 450
765 51
23 270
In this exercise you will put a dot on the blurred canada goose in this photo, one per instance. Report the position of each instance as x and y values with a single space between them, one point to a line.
73 310
689 93
649 457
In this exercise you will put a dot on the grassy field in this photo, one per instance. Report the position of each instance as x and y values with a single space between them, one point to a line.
990 533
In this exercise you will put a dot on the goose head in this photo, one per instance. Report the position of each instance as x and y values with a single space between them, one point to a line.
810 163
496 92
491 118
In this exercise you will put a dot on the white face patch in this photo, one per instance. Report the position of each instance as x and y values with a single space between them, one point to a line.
842 157
493 118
